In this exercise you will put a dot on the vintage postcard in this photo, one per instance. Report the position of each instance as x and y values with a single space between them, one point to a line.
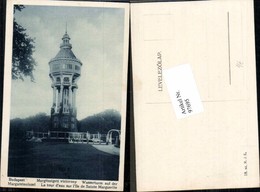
65 83
195 105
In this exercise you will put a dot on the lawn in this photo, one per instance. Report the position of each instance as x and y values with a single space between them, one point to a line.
61 160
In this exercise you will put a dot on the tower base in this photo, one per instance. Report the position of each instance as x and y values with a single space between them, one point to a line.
63 123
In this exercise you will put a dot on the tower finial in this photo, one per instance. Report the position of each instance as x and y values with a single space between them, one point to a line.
66 27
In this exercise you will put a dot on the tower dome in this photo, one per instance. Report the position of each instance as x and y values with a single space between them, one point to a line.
65 60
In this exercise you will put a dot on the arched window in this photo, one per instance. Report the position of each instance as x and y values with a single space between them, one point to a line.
66 79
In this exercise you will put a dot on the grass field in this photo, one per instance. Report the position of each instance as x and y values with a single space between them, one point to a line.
61 160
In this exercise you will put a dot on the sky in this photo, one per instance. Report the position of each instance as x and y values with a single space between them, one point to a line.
97 36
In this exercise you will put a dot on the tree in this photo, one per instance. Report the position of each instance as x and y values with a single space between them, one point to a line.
101 122
23 63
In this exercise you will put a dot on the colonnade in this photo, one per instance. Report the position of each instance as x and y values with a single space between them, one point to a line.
65 95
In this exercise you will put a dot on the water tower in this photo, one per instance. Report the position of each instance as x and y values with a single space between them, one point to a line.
65 71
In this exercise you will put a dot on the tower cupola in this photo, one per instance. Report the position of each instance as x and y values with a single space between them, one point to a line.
66 42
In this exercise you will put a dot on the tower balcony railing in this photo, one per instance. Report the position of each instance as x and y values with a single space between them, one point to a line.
66 83
65 70
56 84
75 137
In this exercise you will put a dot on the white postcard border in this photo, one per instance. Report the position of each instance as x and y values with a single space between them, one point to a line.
78 184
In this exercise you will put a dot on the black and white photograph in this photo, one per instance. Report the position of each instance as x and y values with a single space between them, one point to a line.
65 95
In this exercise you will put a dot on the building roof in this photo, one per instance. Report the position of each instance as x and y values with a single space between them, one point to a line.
65 52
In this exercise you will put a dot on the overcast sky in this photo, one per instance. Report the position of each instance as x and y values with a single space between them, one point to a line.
97 40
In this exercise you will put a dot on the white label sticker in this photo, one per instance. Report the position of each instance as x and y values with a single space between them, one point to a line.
183 90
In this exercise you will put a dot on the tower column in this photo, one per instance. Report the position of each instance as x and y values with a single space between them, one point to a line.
56 99
73 91
70 96
74 97
66 92
54 95
61 96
